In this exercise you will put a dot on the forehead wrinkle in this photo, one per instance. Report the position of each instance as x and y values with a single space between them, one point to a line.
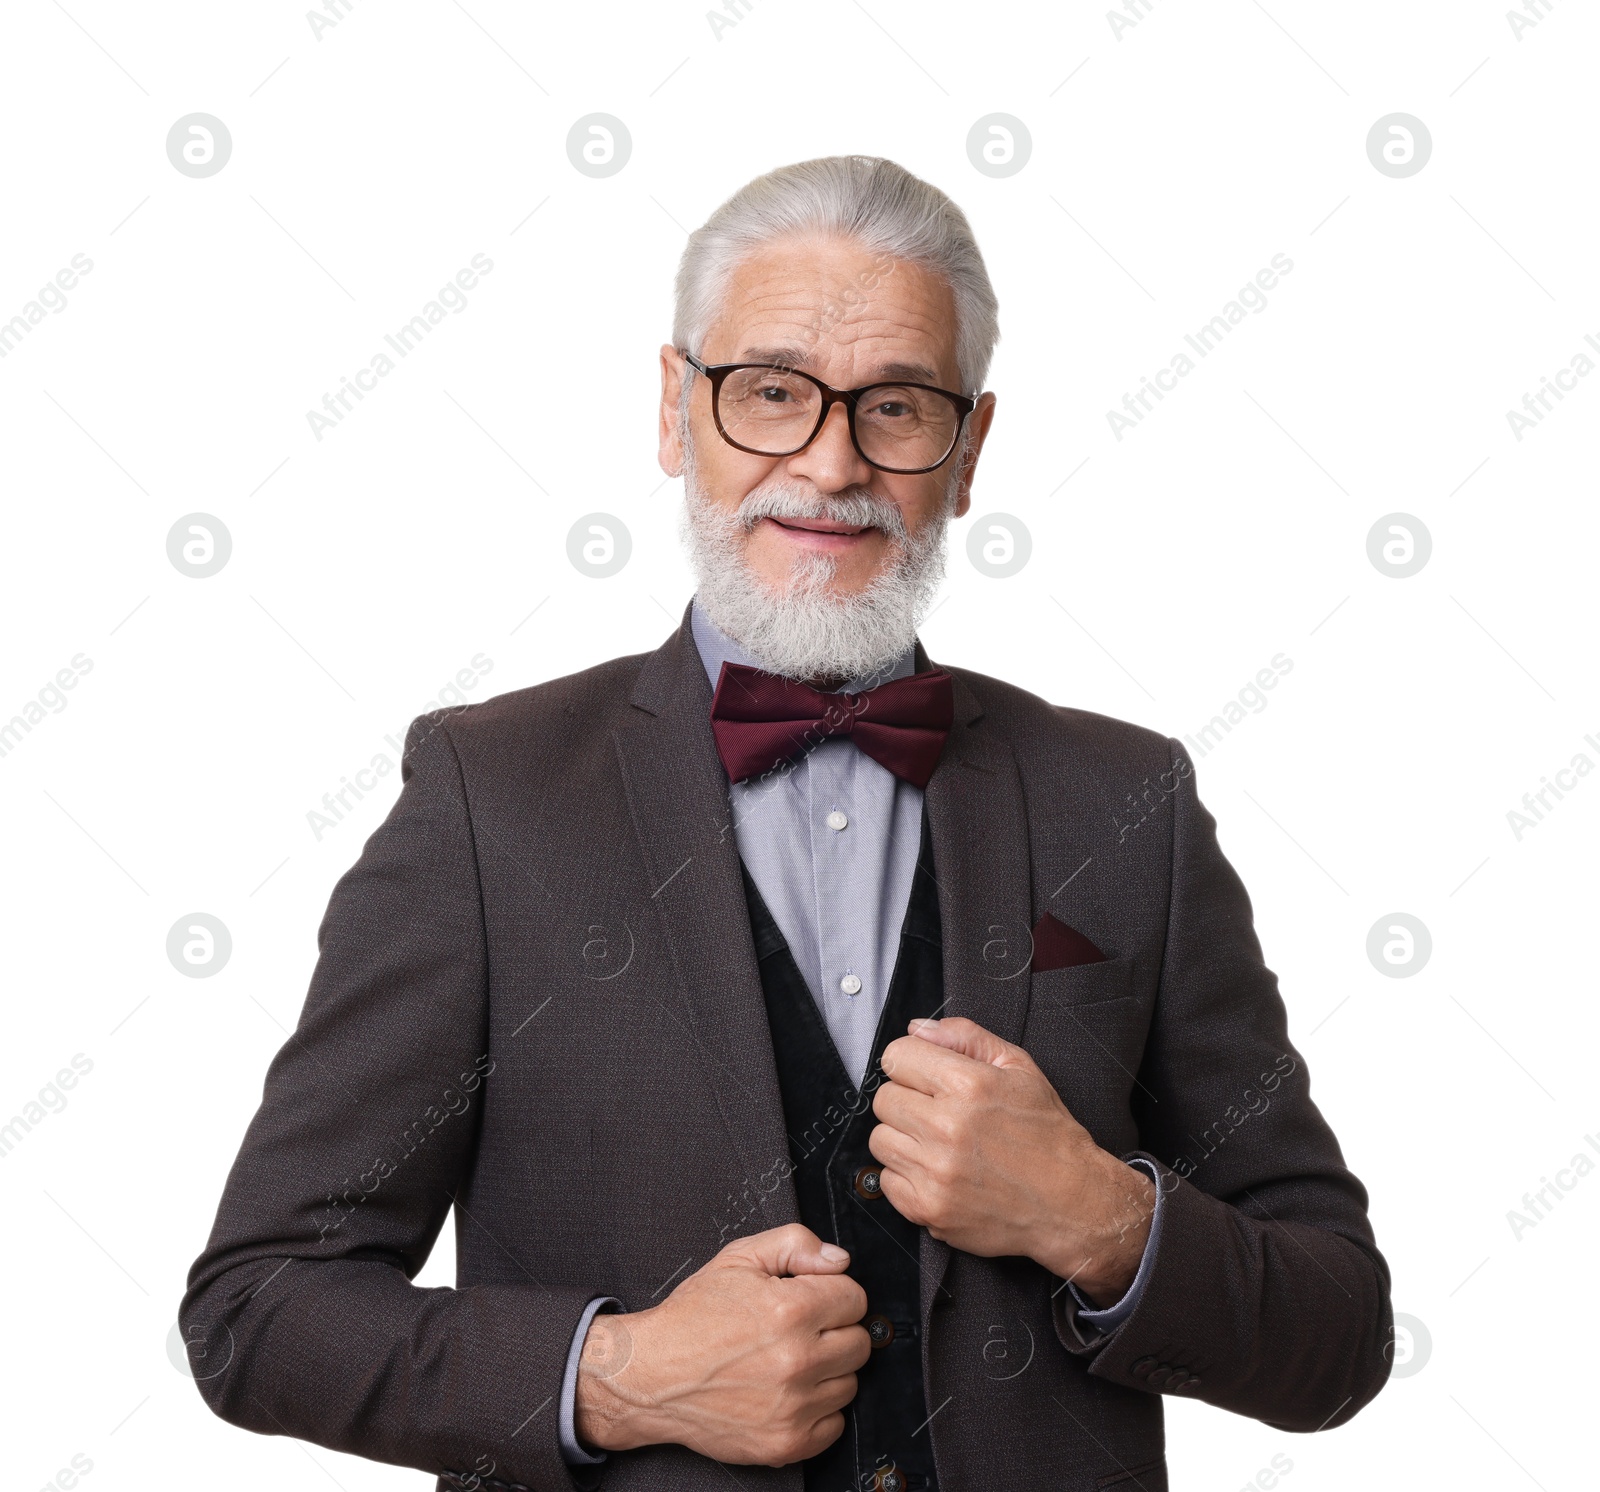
807 302
880 338
882 369
766 298
760 285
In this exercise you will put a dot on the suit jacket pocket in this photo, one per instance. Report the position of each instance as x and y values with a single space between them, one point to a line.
1082 984
1086 1031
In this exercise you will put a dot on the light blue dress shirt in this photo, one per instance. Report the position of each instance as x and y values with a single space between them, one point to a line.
832 847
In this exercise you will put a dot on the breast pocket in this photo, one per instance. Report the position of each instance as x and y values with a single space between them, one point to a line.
1082 984
1086 1030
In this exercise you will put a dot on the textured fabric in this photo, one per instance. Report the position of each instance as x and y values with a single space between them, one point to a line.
761 721
537 999
829 1119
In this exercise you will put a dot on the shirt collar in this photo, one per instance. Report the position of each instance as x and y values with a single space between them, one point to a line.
717 648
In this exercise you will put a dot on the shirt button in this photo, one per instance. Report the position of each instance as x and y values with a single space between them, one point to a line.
836 821
850 984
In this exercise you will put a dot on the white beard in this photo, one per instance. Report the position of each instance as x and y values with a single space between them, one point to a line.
804 631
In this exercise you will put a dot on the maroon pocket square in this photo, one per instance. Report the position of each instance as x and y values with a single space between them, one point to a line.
1057 946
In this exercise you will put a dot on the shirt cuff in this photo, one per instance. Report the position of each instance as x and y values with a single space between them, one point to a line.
571 1452
1112 1316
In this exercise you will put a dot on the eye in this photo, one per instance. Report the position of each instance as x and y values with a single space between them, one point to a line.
779 394
893 408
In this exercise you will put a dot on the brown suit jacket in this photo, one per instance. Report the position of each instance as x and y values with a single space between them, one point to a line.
537 1000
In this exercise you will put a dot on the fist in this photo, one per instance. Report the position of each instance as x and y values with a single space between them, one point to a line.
977 1147
751 1360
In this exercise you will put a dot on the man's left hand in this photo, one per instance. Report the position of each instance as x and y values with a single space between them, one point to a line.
977 1147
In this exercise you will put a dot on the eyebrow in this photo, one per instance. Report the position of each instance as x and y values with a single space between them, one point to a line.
796 358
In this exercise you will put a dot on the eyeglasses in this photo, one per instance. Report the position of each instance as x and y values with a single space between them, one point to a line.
769 410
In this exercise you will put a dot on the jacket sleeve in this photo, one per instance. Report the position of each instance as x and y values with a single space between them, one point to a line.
1266 1293
300 1315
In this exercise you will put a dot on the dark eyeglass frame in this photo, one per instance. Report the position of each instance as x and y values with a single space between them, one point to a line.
717 372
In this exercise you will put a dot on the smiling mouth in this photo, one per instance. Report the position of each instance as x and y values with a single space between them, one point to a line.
822 527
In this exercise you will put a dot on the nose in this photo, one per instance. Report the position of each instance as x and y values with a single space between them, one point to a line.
831 462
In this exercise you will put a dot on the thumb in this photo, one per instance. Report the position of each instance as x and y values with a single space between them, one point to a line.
957 1034
792 1249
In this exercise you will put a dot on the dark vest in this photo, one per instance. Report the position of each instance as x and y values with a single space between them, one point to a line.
885 1446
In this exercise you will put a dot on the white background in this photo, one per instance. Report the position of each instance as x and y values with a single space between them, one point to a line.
1169 163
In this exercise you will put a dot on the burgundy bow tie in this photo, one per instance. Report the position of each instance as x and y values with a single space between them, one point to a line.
761 719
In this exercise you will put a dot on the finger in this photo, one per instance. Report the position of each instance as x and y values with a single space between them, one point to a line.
893 1147
831 1301
902 1195
909 1111
917 1062
835 1391
791 1250
957 1034
844 1350
826 1430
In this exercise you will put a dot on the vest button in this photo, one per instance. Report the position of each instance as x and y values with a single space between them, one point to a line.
869 1183
880 1329
888 1479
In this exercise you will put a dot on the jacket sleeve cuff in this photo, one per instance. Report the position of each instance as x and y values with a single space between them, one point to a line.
571 1451
1108 1318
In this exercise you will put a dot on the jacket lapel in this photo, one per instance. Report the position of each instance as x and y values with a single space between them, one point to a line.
978 818
678 799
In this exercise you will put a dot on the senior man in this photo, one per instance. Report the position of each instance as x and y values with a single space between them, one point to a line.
825 1080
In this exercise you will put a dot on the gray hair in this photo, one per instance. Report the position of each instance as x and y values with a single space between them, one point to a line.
875 202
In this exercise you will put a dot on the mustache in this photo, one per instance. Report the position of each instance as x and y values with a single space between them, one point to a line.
859 509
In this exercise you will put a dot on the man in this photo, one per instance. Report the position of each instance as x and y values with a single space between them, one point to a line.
835 1063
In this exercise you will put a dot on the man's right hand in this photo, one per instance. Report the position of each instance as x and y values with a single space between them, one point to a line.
750 1360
